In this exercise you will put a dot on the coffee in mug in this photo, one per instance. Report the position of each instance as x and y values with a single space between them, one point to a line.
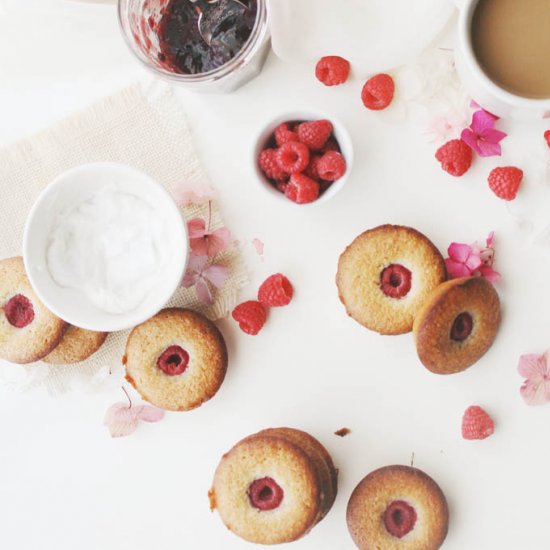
511 42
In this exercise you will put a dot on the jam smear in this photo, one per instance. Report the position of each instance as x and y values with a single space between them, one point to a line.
265 494
395 281
182 48
399 518
173 360
462 327
19 311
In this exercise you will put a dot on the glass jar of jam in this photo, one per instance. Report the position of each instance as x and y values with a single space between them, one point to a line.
220 53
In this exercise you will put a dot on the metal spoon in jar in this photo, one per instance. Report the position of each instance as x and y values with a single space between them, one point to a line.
210 12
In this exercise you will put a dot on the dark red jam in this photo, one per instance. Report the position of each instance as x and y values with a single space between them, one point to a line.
182 48
265 494
173 360
462 327
19 311
399 518
395 281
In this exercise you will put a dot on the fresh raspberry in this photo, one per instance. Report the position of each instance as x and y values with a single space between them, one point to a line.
268 165
476 423
504 181
455 157
311 170
547 137
251 316
315 134
331 166
292 157
332 70
302 189
275 291
283 134
377 93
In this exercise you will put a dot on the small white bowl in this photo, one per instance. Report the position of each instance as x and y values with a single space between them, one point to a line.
340 134
72 188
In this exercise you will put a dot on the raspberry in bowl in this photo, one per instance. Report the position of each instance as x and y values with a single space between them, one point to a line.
303 157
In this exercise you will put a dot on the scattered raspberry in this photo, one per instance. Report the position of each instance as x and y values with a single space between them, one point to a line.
268 165
504 181
302 189
251 316
275 291
332 70
378 92
315 134
476 423
547 137
455 157
331 166
292 157
283 134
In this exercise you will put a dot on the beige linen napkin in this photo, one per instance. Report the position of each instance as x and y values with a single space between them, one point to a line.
144 130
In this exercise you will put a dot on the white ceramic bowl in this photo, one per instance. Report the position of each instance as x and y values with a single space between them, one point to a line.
72 188
340 134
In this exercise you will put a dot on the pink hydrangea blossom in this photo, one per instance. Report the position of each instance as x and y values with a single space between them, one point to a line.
122 418
207 243
199 274
467 260
482 136
192 193
535 390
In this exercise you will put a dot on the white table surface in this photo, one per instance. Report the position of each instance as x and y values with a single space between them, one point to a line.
65 484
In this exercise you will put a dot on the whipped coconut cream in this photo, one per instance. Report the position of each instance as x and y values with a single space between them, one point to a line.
112 247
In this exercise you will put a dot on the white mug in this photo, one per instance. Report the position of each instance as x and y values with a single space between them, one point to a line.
483 90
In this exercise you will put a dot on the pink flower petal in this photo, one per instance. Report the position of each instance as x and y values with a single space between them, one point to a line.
456 269
259 246
493 136
486 149
535 393
473 262
203 291
121 419
533 366
490 239
482 121
197 193
189 279
218 241
197 263
459 252
489 273
196 228
149 413
199 247
216 274
470 139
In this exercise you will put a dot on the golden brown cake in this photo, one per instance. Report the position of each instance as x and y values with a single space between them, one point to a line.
176 360
457 324
274 486
384 276
28 330
76 345
398 508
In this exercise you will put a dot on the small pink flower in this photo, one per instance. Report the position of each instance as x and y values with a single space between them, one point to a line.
444 128
199 275
467 260
482 136
186 194
535 390
207 243
122 418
